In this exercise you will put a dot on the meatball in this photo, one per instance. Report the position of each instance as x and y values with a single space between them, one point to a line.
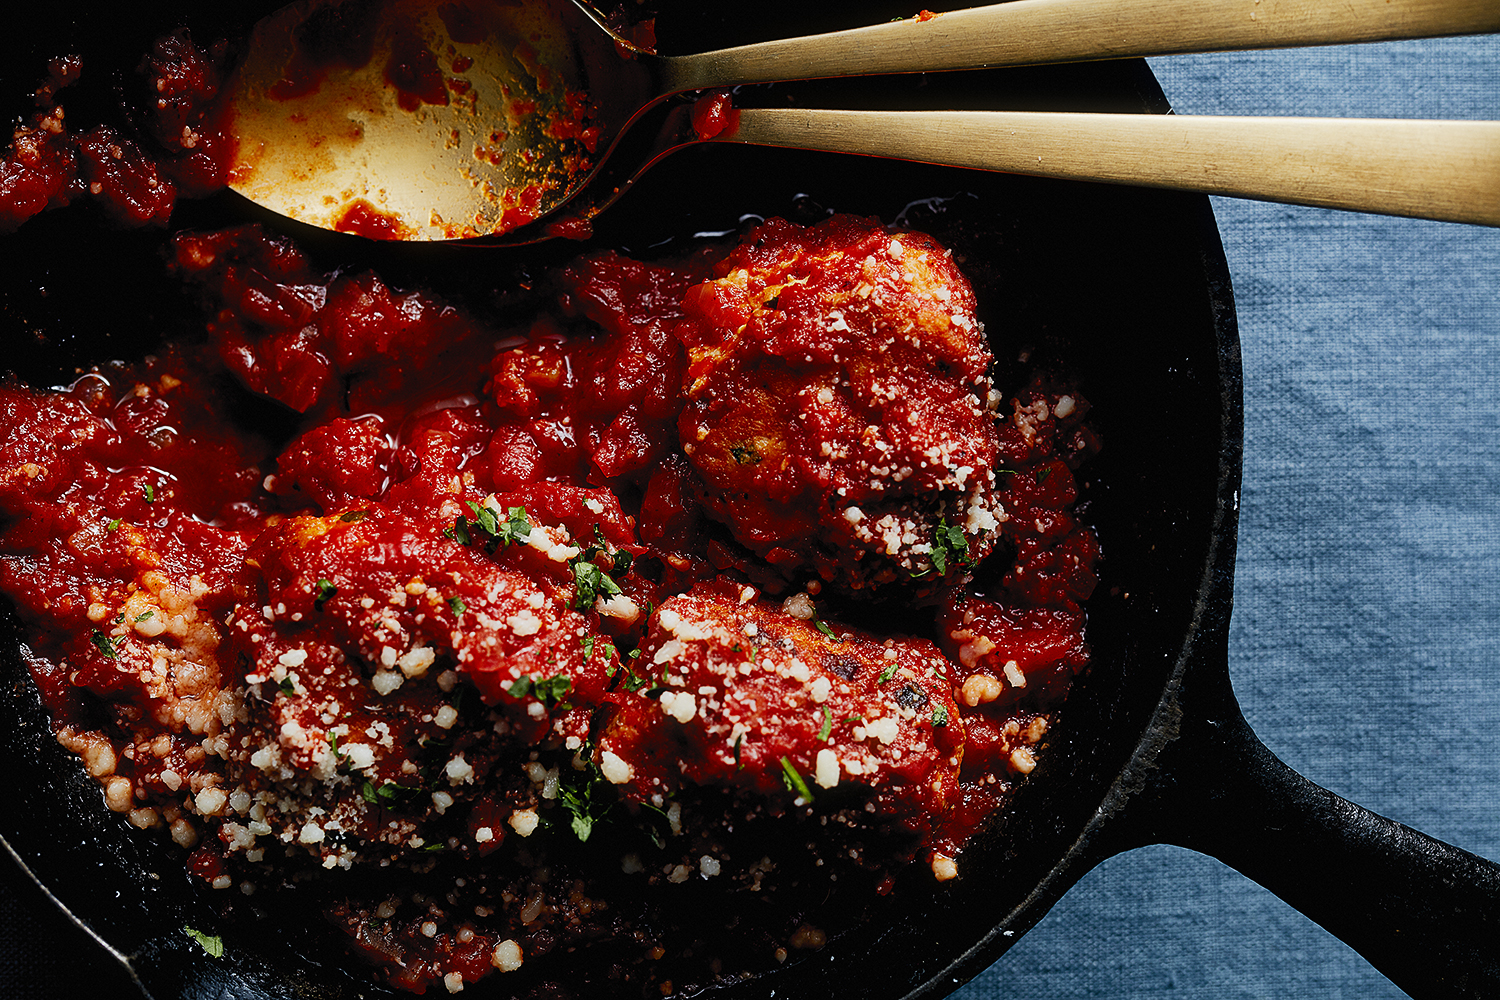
839 409
752 696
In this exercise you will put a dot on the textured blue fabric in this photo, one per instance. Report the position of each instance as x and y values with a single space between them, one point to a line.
1365 645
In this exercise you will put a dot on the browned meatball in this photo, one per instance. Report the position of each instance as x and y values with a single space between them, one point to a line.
839 409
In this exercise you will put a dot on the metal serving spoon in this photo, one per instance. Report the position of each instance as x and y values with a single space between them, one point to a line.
408 119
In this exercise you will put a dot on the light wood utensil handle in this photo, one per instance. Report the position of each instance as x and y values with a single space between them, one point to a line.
1448 170
1032 32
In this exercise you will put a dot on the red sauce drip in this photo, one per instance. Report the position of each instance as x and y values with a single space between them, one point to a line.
576 228
413 71
714 115
363 219
520 206
642 35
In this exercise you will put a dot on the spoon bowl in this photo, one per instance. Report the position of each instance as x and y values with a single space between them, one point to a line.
410 120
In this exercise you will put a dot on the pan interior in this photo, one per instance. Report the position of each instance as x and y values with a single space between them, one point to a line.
1125 287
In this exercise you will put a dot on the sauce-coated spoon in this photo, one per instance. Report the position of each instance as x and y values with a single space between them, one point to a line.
407 119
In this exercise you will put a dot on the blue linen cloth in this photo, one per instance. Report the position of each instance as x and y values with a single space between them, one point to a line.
1365 645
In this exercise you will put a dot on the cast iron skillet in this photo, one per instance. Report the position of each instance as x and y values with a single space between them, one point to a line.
1130 287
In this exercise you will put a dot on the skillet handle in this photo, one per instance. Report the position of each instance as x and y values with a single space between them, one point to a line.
1424 913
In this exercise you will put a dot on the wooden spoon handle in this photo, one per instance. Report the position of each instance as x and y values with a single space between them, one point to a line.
1032 32
1448 170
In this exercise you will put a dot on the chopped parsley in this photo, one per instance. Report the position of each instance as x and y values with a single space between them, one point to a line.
211 943
104 644
591 582
326 589
949 546
488 529
149 492
387 794
886 674
827 729
144 615
1042 474
458 605
549 691
114 523
745 456
794 781
939 717
578 798
822 626
353 516
287 685
738 742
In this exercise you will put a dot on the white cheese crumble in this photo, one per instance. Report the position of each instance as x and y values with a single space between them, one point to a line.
524 822
679 705
524 623
616 769
506 956
826 768
386 681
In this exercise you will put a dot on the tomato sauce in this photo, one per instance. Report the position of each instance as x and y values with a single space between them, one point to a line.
547 632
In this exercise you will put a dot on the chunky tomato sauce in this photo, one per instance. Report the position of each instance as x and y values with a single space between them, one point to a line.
554 636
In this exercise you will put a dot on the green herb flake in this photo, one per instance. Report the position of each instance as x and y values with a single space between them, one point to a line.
822 626
886 674
114 524
949 546
460 531
211 943
458 605
577 792
739 741
550 691
386 794
1042 474
591 582
326 589
353 516
827 729
745 456
794 781
939 717
149 492
145 615
104 644
517 524
287 686
588 648
485 518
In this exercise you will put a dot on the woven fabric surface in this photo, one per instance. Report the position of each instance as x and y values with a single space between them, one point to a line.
1365 643
1365 647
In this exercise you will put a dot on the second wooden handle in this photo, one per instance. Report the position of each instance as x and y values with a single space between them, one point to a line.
1447 170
